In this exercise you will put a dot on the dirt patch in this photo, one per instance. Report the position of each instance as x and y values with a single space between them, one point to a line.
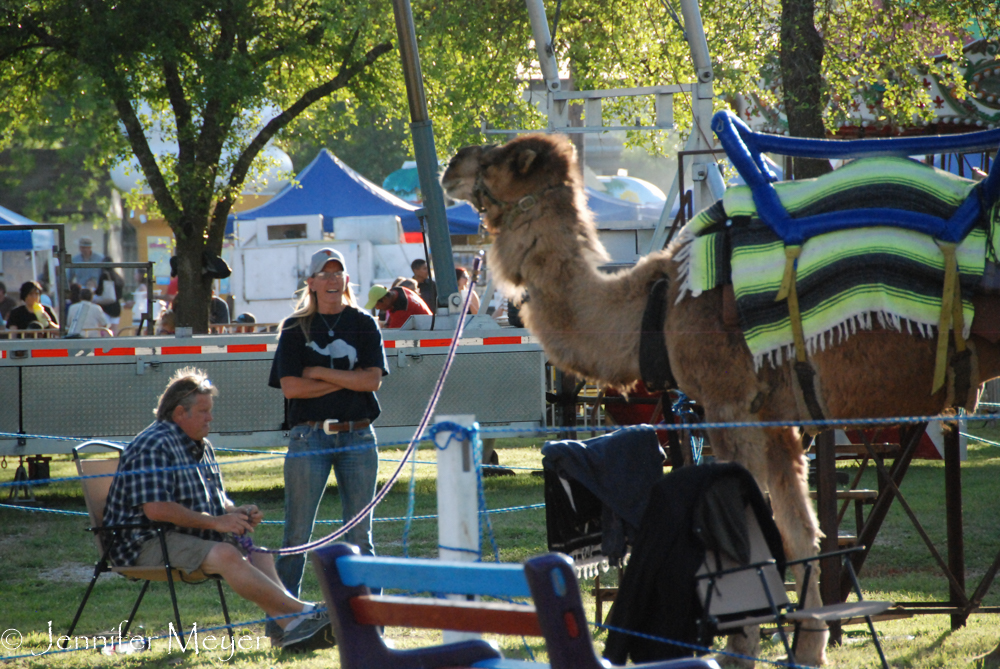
69 573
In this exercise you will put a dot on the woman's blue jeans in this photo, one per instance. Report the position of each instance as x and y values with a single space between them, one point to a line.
354 459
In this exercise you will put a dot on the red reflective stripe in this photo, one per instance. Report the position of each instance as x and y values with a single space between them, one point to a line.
246 348
50 353
114 351
572 629
389 344
3 354
493 341
180 350
424 343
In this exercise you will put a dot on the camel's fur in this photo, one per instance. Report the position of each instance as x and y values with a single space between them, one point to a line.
589 322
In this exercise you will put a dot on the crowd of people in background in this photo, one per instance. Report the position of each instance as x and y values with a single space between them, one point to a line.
96 299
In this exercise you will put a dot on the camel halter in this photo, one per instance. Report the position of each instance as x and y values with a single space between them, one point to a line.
508 209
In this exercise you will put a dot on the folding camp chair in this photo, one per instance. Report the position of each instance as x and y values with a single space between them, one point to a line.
735 595
98 473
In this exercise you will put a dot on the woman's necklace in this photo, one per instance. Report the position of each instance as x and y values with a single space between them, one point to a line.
331 327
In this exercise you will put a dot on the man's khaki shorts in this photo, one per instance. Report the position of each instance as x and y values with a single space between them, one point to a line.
186 552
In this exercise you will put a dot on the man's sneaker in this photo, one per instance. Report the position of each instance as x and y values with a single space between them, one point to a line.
313 633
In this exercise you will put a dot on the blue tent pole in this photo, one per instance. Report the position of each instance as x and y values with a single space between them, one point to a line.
426 155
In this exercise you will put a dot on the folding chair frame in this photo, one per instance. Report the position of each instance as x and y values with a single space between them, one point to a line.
707 623
104 565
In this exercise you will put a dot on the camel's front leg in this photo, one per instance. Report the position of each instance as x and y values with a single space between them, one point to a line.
796 520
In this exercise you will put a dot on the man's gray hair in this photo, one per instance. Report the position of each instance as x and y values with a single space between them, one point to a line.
183 390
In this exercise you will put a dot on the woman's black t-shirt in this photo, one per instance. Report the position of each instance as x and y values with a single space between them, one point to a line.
356 343
22 317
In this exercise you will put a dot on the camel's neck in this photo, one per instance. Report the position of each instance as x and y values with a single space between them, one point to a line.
587 321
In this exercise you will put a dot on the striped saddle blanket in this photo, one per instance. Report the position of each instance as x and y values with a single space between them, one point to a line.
846 280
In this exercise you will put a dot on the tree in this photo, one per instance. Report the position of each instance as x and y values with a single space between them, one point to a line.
205 74
208 73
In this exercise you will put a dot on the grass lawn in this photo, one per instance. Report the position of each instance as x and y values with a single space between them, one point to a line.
48 560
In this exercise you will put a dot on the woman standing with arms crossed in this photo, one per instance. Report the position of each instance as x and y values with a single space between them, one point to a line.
328 364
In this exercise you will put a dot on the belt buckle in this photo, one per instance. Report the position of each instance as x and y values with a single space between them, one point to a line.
328 426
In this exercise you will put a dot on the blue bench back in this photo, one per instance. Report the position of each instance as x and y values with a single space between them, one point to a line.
437 576
549 579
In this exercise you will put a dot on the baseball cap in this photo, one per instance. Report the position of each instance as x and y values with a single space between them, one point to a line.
322 257
375 294
86 241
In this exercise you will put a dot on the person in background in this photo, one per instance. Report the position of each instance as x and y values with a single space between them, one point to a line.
463 287
86 319
246 321
426 287
74 294
406 283
32 314
108 295
45 298
170 475
329 363
86 276
7 303
166 324
218 313
399 302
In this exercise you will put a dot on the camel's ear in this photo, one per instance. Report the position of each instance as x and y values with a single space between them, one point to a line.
524 161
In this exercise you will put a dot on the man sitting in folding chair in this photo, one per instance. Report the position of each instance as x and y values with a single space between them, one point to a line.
168 474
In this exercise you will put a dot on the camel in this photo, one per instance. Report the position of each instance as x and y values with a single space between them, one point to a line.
588 323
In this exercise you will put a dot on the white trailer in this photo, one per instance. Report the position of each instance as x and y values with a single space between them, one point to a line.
270 253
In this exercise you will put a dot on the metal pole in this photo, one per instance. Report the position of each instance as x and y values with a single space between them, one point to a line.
953 514
701 135
543 44
425 153
826 503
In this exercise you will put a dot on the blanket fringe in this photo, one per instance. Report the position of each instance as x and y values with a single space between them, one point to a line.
840 332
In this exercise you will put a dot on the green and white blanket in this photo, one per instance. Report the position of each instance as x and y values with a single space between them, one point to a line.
845 279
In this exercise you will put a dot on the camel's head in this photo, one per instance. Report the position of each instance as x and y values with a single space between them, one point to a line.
498 177
459 178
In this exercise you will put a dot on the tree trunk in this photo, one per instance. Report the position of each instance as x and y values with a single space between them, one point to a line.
801 80
194 290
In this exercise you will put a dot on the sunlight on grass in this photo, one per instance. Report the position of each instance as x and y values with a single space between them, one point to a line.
48 559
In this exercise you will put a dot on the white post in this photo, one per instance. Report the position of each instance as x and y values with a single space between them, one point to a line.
458 502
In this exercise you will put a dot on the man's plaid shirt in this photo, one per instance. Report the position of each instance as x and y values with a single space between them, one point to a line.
159 466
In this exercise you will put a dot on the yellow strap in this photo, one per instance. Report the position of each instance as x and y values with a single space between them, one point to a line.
947 313
787 291
796 319
788 278
957 313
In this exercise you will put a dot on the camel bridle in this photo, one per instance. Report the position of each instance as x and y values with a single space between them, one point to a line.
508 209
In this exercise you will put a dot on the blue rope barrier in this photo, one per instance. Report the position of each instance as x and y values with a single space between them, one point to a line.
699 649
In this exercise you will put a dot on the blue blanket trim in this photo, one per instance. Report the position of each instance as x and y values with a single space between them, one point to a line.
745 149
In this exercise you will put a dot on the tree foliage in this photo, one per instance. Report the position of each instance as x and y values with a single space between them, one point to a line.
221 78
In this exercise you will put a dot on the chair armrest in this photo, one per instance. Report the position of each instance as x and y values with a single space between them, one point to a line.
131 526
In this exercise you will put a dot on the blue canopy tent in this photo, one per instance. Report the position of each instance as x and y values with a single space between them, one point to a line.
22 240
329 187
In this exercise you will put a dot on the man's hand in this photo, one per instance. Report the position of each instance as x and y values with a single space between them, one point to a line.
252 514
235 522
238 520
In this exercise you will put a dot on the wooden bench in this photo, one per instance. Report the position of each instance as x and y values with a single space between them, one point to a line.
348 579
